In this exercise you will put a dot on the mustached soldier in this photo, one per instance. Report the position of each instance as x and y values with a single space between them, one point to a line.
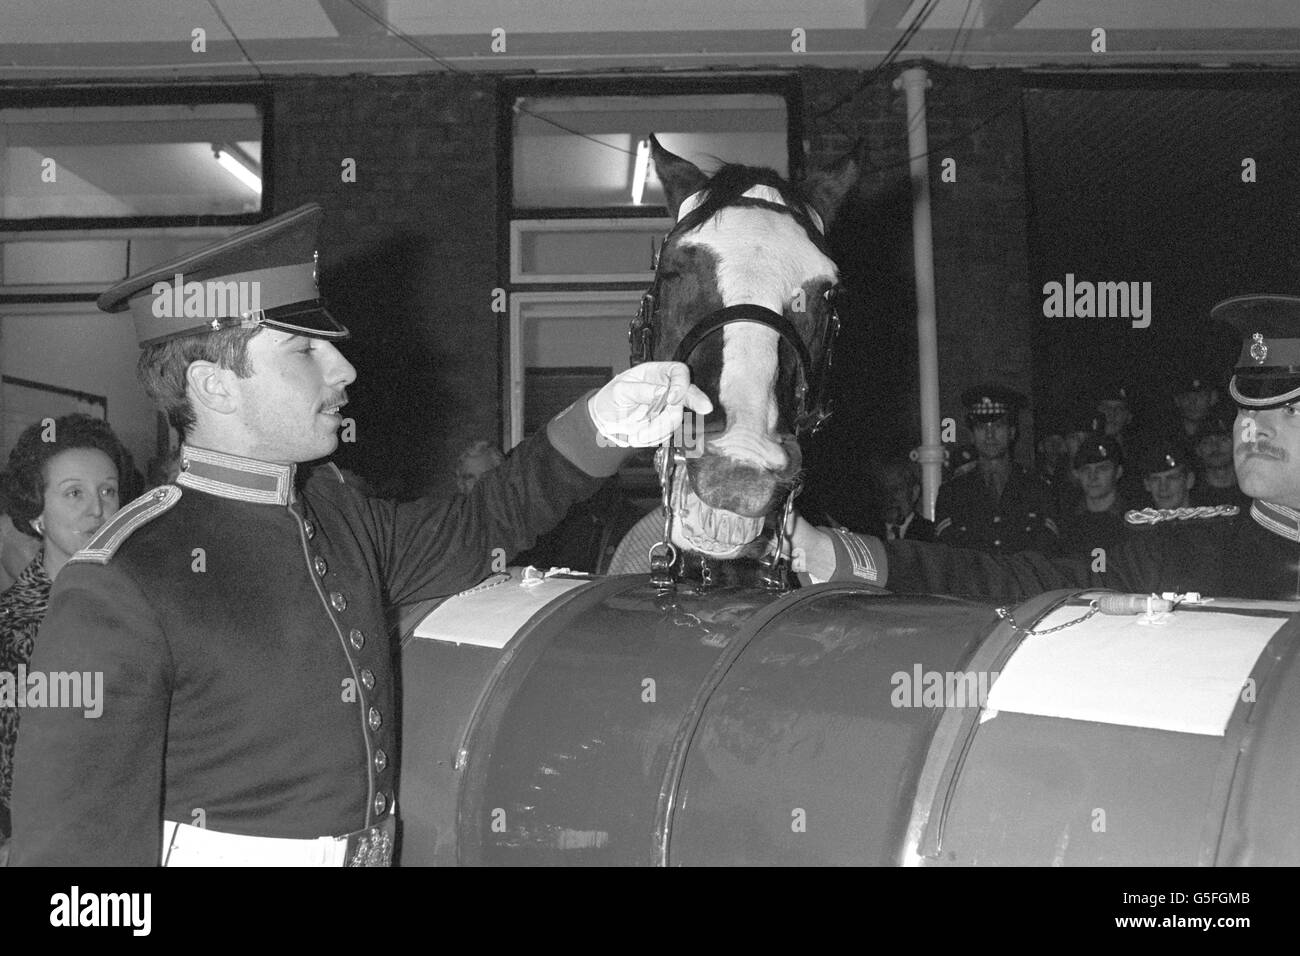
1222 551
238 615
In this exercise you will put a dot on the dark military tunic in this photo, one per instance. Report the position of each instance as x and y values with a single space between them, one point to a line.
238 618
1253 555
968 516
1082 531
1204 493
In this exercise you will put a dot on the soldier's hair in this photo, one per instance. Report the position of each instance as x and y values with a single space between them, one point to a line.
162 367
25 476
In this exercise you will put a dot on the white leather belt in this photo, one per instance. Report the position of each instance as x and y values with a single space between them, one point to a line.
186 845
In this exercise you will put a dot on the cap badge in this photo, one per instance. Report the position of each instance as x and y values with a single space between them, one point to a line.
1258 350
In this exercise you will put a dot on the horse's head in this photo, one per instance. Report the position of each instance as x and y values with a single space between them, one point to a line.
743 294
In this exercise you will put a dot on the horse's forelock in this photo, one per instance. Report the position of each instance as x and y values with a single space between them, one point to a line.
730 183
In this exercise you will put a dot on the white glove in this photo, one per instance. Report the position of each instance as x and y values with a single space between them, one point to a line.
644 405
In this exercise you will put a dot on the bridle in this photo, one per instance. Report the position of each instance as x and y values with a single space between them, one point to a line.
812 405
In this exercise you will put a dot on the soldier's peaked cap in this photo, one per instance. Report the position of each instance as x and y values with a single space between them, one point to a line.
1095 449
1268 370
264 275
987 403
1163 453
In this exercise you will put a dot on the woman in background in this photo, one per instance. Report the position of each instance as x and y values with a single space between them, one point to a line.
61 486
16 548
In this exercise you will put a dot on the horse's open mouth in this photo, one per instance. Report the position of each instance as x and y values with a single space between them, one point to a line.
707 530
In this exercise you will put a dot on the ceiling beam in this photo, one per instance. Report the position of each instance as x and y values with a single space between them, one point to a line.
708 50
885 14
351 22
1005 14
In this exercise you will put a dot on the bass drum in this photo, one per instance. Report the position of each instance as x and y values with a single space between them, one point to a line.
600 723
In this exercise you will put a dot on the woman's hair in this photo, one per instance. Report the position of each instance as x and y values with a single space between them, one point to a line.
25 474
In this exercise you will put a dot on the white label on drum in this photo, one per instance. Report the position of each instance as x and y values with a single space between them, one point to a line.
1185 675
491 617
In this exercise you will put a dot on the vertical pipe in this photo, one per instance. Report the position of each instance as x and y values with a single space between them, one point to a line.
913 82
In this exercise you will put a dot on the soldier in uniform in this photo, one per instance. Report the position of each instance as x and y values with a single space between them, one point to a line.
1097 520
1114 407
238 615
1221 551
1165 464
998 506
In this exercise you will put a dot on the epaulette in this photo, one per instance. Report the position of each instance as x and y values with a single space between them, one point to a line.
1159 515
122 525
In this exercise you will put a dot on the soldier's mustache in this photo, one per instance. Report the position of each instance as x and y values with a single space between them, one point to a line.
1267 450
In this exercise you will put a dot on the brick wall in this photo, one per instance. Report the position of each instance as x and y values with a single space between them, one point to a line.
408 257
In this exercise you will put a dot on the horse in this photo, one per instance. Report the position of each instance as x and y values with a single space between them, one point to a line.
743 292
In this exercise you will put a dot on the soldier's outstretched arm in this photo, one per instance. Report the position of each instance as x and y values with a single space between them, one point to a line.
1139 565
88 772
432 548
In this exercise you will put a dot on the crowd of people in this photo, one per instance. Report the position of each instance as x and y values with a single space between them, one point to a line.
1086 481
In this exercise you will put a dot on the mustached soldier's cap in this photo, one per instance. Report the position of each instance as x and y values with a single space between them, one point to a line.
1268 371
261 276
989 403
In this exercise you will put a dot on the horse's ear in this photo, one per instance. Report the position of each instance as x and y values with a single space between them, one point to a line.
680 177
828 187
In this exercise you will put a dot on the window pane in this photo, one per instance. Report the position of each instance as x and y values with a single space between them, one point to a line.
125 161
580 151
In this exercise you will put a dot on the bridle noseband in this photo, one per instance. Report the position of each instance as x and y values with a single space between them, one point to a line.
812 406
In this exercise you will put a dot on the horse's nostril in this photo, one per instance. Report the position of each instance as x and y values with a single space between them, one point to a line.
734 486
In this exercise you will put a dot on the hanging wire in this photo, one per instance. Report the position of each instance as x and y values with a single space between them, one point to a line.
473 77
238 42
918 20
892 54
961 26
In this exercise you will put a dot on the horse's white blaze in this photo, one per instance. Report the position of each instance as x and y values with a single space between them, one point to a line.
763 257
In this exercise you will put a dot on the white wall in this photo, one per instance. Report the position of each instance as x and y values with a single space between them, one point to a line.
76 346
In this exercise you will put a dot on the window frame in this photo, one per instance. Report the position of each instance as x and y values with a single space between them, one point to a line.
254 94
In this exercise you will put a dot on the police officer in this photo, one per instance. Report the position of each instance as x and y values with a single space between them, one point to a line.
998 506
1221 551
237 616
